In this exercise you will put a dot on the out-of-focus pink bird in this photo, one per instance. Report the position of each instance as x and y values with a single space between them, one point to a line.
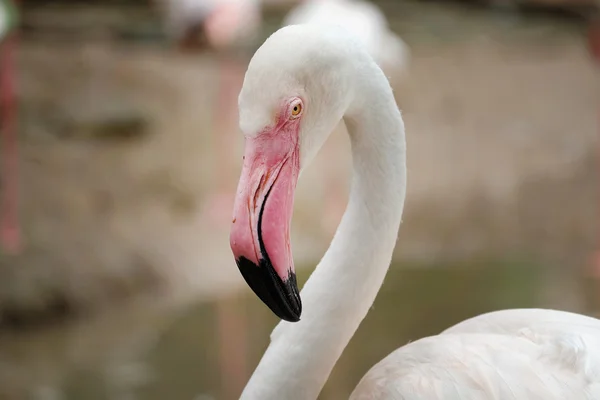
219 24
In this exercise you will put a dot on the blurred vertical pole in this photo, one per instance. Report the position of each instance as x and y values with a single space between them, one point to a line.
231 320
9 225
219 205
594 46
232 347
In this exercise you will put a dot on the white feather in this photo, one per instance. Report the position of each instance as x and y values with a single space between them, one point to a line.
510 354
365 21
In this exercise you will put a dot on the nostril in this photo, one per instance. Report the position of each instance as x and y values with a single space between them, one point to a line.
261 183
261 187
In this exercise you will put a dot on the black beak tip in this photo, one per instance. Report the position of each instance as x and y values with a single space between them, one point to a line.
281 297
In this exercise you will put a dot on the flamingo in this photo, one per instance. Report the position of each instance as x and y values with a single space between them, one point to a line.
220 24
368 23
299 84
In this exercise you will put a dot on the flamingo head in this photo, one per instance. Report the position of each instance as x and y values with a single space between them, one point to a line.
287 110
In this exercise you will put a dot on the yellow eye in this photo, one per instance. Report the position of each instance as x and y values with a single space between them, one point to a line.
297 109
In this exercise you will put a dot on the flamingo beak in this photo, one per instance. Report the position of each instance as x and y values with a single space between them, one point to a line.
260 231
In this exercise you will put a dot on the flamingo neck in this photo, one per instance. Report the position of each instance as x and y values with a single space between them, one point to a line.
339 293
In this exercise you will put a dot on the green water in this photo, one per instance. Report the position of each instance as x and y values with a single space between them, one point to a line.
177 353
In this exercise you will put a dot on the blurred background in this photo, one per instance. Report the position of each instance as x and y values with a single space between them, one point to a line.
121 154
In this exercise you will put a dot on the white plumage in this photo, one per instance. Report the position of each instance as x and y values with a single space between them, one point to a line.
525 354
364 20
512 354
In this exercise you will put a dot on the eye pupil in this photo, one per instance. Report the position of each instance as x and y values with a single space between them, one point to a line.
296 110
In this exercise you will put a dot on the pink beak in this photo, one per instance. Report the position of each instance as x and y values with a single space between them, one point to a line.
260 231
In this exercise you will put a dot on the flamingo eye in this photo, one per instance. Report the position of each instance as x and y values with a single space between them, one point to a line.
296 110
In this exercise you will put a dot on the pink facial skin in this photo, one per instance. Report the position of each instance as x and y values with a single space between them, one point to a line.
260 230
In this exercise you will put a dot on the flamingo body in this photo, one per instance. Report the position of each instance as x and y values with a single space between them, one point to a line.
509 354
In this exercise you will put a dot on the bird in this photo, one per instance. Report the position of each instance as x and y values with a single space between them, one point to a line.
216 24
368 23
298 85
365 20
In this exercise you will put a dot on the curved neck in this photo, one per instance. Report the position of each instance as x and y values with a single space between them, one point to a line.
344 285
